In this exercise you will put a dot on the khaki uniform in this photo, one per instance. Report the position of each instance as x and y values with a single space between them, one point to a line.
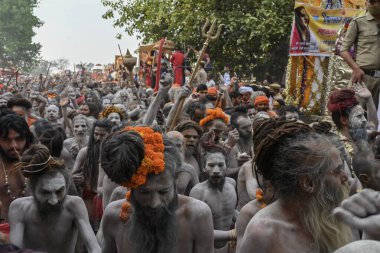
365 32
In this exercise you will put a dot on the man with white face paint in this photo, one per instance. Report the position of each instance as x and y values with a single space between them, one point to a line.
348 116
114 114
52 115
80 139
219 193
50 220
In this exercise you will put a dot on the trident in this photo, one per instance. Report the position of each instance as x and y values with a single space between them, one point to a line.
210 36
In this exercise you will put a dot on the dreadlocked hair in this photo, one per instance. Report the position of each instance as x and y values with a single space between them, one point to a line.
121 155
269 135
91 165
37 161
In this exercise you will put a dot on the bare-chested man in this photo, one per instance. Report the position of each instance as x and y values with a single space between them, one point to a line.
15 137
218 191
186 176
242 151
80 139
191 132
86 168
309 181
50 220
155 219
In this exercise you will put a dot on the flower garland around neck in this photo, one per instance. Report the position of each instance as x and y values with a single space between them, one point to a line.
153 163
260 197
212 114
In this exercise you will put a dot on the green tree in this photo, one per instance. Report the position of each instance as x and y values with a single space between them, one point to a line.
16 32
255 37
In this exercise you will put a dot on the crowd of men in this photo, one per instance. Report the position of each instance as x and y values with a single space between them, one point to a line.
221 166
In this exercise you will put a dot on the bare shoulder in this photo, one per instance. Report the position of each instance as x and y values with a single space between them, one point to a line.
21 205
83 151
231 181
112 211
193 208
250 209
197 190
259 234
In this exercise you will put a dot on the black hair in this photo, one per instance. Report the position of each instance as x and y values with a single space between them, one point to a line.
91 166
287 108
18 124
53 139
235 117
123 152
202 87
17 101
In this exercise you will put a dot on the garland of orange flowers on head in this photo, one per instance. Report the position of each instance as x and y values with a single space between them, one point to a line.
111 109
260 197
212 114
153 163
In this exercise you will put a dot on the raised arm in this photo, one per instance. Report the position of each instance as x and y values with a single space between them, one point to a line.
183 94
165 85
364 94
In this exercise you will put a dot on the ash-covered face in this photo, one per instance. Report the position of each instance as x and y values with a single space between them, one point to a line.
80 127
3 102
52 113
72 93
356 118
114 118
49 193
106 102
216 169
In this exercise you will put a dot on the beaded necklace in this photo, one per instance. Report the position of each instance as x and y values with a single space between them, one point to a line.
8 186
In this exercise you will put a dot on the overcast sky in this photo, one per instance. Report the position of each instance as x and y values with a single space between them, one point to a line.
75 30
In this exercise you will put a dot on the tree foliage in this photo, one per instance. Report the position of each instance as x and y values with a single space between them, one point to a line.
16 32
255 37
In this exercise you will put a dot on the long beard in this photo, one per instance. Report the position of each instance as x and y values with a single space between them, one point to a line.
81 140
46 210
316 215
154 230
358 134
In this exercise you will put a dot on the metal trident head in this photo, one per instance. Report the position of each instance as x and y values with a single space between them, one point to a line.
209 35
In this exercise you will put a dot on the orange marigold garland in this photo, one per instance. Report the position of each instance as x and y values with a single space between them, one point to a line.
212 114
260 197
153 163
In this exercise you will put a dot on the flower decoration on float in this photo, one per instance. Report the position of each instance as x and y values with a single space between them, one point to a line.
153 163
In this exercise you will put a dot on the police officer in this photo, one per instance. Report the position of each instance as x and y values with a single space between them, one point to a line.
364 34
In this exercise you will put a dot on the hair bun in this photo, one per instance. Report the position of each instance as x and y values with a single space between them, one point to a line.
35 160
121 155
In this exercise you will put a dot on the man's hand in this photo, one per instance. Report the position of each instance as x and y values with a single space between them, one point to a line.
362 211
358 76
233 137
74 150
185 92
78 179
362 91
242 158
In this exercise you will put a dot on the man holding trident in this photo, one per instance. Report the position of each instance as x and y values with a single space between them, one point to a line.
210 36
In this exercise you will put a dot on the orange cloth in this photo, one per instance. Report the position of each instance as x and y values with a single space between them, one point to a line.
261 99
212 91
